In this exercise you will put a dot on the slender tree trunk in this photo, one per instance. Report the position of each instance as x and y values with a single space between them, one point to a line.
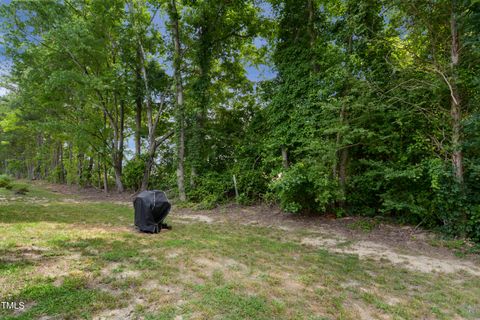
138 110
89 174
62 166
117 156
138 125
105 178
30 169
197 151
81 157
342 154
118 178
180 107
153 145
118 159
285 157
38 163
98 168
117 123
54 163
340 165
147 171
343 157
152 124
70 163
456 108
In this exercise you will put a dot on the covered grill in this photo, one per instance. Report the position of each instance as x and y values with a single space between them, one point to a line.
151 209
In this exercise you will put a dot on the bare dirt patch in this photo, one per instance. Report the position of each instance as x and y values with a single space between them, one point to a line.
29 253
208 265
403 245
173 254
126 313
197 217
362 312
119 271
221 262
289 282
369 249
54 268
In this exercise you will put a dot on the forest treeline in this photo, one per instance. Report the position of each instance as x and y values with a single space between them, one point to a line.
372 107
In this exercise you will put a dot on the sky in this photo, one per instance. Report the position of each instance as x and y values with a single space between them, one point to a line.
254 73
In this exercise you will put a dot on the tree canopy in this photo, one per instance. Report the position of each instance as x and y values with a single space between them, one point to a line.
372 109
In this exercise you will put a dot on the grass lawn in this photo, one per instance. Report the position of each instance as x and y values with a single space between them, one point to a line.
68 258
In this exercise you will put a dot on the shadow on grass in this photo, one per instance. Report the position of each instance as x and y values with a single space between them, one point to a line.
73 213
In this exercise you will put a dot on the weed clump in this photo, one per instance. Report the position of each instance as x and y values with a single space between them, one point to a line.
21 190
5 182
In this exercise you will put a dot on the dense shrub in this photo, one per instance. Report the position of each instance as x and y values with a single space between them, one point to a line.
5 181
133 173
252 186
304 188
212 188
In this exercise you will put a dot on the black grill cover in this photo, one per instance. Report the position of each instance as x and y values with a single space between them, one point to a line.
151 208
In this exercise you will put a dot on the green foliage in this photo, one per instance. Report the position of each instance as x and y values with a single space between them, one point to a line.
133 173
212 189
21 188
5 181
474 223
302 188
356 120
252 185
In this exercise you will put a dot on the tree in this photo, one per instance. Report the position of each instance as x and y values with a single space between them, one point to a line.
180 113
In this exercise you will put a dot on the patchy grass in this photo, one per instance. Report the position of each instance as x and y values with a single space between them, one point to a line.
71 259
461 247
365 225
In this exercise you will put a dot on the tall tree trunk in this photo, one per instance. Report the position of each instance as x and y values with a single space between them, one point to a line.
98 168
456 108
62 166
147 171
119 146
138 108
177 64
54 162
80 157
118 178
197 151
343 157
342 154
152 121
105 178
89 174
138 125
70 162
